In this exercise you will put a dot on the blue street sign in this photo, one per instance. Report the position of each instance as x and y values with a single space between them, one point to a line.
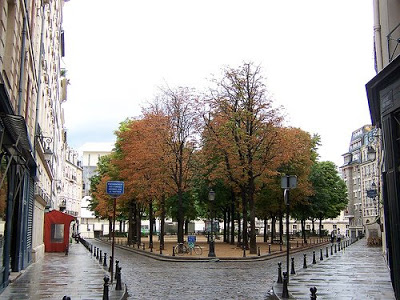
115 188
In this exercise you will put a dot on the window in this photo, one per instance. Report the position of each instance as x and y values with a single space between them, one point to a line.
334 226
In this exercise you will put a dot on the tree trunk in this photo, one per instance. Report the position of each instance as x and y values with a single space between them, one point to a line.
265 229
233 199
239 243
253 236
303 230
131 223
151 224
280 227
320 227
313 229
138 226
228 223
244 210
225 229
162 227
180 217
273 228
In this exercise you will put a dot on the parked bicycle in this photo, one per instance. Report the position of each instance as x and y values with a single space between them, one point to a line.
182 248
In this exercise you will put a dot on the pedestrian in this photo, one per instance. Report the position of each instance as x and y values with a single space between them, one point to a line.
332 237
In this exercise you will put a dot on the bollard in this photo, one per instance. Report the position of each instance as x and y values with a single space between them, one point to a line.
321 257
269 248
313 291
160 249
258 251
105 290
326 254
297 244
97 252
285 292
91 249
116 268
105 260
101 256
292 270
305 261
66 250
94 251
331 250
173 250
338 246
118 285
151 247
335 248
314 261
111 261
279 272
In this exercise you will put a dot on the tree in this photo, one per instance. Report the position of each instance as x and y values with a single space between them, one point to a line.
180 143
243 126
330 192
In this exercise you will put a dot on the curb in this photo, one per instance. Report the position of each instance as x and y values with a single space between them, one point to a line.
264 257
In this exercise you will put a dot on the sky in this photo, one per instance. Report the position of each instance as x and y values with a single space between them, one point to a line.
316 57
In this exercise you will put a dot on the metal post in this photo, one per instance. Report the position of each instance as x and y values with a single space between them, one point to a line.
287 230
305 261
326 254
279 273
105 260
314 261
105 290
118 285
113 240
321 257
244 250
116 267
111 262
258 251
269 248
292 271
285 292
331 250
313 291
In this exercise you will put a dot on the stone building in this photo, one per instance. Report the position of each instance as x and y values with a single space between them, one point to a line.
32 135
384 103
362 176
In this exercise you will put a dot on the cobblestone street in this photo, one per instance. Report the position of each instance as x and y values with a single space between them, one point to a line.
147 278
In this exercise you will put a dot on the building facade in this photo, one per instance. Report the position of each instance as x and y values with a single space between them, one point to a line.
32 134
384 104
90 226
361 173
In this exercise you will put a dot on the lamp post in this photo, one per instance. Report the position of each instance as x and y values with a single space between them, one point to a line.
287 183
211 198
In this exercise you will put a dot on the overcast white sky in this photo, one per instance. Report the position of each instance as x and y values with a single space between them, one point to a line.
316 55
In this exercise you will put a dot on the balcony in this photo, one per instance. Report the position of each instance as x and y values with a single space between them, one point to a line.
42 196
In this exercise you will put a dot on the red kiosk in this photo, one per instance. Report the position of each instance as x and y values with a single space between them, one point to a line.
56 231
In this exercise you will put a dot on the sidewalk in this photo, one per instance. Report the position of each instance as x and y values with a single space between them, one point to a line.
78 275
357 272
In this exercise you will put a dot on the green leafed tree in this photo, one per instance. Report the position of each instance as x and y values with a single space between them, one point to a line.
330 192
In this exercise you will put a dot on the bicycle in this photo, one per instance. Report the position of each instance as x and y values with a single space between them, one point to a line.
182 248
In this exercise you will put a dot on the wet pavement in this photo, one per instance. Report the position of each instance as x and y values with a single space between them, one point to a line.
356 272
78 275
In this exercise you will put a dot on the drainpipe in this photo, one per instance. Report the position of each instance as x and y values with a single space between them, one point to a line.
21 71
377 37
39 78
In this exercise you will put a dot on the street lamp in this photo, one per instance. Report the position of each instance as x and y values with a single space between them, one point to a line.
211 198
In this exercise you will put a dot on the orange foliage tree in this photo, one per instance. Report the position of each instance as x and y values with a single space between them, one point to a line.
244 128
